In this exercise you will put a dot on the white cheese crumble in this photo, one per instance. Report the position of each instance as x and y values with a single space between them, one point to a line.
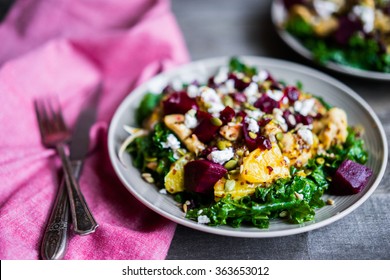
163 191
276 95
306 135
203 219
367 16
192 91
325 8
252 124
260 77
252 92
190 120
221 156
304 107
172 143
227 87
222 75
213 100
255 114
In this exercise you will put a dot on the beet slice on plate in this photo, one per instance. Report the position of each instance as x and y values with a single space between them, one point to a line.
350 178
201 175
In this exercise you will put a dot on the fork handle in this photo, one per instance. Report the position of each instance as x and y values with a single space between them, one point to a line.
83 221
55 238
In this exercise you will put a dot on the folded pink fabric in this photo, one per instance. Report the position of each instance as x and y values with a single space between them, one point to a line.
66 47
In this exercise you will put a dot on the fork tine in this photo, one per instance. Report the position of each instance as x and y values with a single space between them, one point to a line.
41 116
60 117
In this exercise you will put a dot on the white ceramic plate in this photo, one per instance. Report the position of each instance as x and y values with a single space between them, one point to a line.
279 14
314 82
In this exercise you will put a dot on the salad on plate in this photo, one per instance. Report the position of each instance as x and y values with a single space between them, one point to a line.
353 33
246 148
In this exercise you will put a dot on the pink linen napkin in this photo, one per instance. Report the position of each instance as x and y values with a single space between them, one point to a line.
66 47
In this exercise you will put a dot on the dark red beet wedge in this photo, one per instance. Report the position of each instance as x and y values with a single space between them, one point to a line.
201 175
205 131
227 114
178 103
350 178
266 104
292 93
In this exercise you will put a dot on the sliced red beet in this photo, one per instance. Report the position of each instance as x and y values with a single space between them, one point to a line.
260 141
266 104
306 120
178 103
205 131
292 93
239 84
347 27
201 175
350 178
227 114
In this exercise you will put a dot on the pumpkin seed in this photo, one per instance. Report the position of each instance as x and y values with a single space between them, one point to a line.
216 121
231 164
230 185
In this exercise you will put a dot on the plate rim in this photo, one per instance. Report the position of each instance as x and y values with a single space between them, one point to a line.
296 46
230 231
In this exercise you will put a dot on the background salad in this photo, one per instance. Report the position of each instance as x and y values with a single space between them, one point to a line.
354 33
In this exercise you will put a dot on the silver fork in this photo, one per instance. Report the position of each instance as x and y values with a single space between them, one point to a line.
55 134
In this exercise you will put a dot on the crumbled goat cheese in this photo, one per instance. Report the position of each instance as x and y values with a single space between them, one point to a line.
252 92
275 94
163 191
193 91
190 120
256 114
211 97
252 124
324 8
278 115
221 156
367 16
304 107
306 135
203 219
260 77
172 143
227 87
230 85
222 75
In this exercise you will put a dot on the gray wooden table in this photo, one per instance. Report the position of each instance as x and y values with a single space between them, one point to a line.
232 27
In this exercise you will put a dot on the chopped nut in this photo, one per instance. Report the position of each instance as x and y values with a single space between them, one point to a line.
298 195
283 214
330 201
147 177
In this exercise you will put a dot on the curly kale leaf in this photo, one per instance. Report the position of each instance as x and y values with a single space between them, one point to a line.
148 149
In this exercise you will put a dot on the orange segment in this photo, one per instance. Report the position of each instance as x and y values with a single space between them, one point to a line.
264 166
174 180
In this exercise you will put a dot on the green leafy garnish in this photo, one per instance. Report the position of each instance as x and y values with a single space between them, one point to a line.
146 107
149 148
236 65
